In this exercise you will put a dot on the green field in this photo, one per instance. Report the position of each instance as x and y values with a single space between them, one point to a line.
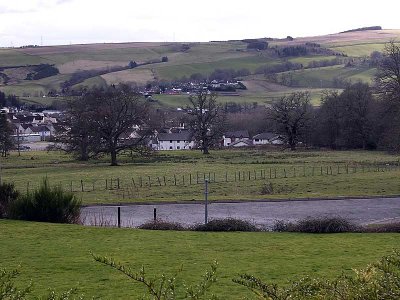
58 256
324 77
201 58
171 176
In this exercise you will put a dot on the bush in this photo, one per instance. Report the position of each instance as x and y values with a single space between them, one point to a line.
161 225
8 195
317 225
228 224
389 227
377 281
47 204
267 189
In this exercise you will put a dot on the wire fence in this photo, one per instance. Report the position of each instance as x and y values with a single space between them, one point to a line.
188 179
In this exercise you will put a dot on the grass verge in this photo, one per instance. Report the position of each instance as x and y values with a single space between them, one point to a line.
58 256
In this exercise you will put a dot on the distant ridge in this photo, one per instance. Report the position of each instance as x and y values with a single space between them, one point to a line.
363 29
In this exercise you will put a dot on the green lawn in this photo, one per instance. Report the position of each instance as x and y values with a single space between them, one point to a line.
58 256
298 175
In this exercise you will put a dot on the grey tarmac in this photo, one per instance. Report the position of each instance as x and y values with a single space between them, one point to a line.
263 214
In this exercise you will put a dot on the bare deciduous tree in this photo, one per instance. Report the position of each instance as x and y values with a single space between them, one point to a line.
207 120
102 121
291 114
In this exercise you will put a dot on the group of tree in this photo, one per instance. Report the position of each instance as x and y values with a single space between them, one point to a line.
6 140
360 116
42 71
100 121
10 100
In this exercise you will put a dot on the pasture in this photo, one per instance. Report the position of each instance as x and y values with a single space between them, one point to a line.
201 58
58 256
234 175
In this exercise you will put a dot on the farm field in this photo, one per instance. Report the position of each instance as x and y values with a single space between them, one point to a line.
201 58
234 175
58 256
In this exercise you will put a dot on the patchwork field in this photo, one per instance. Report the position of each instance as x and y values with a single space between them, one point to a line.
201 58
234 175
58 256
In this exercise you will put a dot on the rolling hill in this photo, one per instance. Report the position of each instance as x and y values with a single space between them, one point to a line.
327 62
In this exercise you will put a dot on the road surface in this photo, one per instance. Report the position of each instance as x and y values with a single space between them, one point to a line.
263 214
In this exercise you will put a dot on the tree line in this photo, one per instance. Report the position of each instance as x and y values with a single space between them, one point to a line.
101 121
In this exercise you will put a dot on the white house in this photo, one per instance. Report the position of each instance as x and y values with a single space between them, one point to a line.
234 136
241 143
267 138
174 141
44 132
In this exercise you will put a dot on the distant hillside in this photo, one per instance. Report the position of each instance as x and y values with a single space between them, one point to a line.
306 63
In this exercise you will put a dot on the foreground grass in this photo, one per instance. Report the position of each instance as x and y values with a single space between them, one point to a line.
58 256
298 175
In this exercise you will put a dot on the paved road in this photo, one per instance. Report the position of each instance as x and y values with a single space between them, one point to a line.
360 211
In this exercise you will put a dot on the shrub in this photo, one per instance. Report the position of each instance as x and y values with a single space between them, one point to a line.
161 225
229 224
377 281
8 289
47 204
317 225
8 195
282 226
389 227
267 189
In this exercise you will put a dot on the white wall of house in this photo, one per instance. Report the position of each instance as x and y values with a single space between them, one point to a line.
33 137
175 145
240 144
227 141
261 142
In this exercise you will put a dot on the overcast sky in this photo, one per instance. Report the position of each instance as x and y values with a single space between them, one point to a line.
55 22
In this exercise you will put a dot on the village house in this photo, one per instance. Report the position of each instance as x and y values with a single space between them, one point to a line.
173 141
232 137
267 138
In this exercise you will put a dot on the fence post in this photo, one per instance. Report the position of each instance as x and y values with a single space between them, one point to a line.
284 172
106 184
155 214
174 179
119 217
206 202
82 185
190 178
